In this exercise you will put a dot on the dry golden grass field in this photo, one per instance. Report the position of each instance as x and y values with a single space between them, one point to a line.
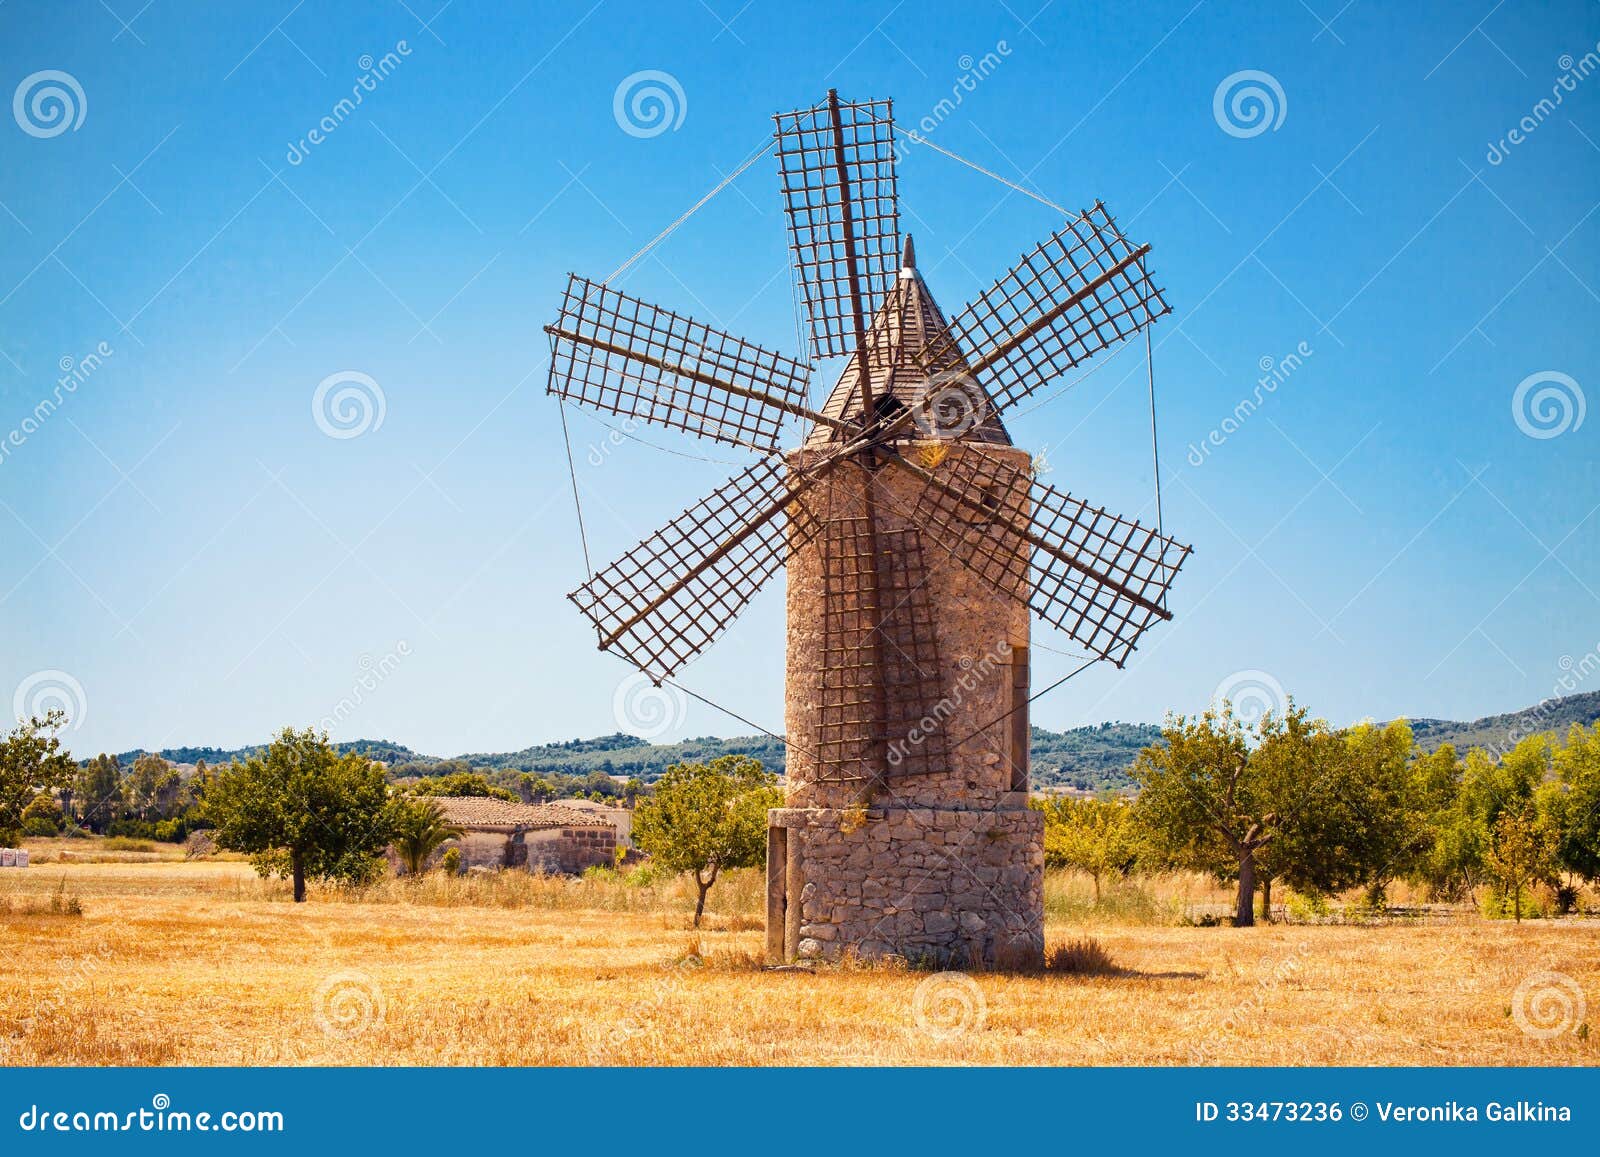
137 958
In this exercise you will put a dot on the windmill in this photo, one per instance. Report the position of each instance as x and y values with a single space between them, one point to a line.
916 538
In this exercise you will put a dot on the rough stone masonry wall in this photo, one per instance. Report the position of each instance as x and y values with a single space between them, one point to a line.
946 865
955 888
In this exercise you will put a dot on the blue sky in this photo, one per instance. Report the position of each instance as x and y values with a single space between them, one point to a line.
189 558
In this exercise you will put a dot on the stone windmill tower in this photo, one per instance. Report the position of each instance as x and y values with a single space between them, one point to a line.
915 536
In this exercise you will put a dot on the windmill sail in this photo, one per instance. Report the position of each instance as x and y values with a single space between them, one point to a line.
620 355
836 164
673 594
1081 291
1101 578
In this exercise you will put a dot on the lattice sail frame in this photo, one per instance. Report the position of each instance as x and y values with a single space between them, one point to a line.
728 545
979 525
810 146
1080 291
627 357
881 676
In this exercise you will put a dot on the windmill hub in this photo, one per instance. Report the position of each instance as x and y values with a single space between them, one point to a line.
915 537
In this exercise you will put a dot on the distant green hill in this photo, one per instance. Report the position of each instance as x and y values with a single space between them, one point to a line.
1093 758
1499 733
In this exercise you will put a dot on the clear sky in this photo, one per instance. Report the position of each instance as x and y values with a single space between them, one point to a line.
187 556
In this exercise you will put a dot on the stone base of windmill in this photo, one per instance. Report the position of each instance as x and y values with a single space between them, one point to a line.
939 887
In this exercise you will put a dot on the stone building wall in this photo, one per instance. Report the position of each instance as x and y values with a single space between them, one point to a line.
564 850
955 888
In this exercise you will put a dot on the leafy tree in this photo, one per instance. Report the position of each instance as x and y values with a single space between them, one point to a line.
1345 801
1574 802
1201 802
706 817
97 793
300 809
420 829
1463 832
150 779
1522 851
1097 836
31 760
42 816
460 783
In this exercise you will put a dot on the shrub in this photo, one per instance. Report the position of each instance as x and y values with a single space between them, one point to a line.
123 844
450 862
1496 904
1084 957
1305 907
39 826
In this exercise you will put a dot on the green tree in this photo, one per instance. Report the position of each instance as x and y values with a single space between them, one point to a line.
1463 831
460 783
1345 801
1574 802
301 810
97 793
420 829
1097 836
1522 851
42 816
31 761
1201 803
143 787
707 817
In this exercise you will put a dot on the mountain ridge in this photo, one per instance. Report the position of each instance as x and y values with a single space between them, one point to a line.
1094 757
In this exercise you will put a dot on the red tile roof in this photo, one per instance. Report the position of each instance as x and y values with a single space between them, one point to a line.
486 812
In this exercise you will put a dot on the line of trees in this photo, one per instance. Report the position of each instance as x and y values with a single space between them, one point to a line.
1324 810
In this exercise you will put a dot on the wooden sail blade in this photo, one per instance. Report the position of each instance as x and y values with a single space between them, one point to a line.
620 355
836 163
1084 289
672 595
1101 578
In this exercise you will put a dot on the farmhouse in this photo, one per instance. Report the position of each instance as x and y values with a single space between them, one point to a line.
620 818
497 833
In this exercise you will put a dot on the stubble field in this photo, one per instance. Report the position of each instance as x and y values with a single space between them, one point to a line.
201 963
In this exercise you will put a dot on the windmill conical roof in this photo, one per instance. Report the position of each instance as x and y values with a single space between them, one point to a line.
904 325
